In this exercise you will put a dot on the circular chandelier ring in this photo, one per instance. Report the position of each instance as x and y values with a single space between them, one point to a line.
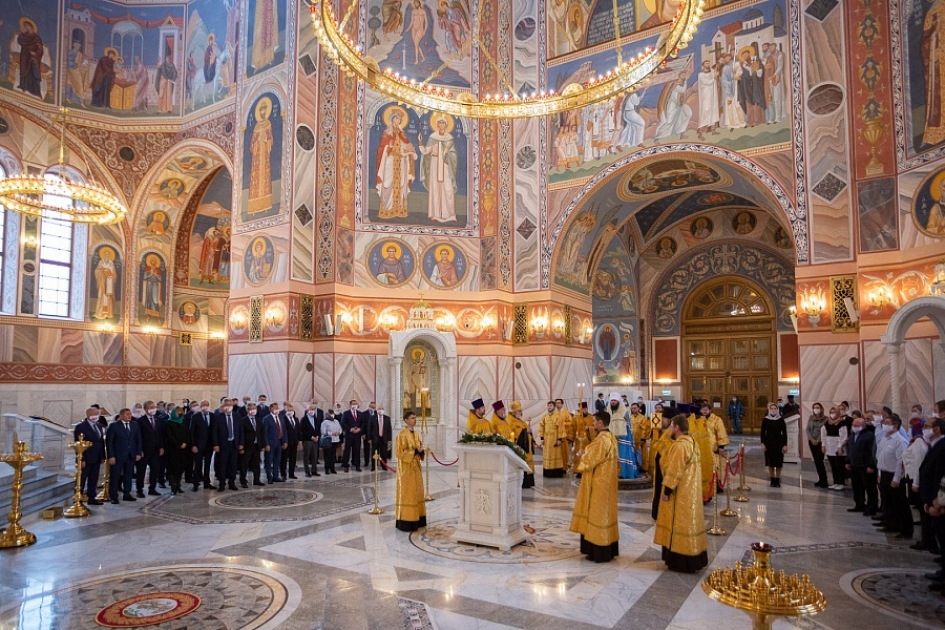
91 204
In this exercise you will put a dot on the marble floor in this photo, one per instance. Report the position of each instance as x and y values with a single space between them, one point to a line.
306 555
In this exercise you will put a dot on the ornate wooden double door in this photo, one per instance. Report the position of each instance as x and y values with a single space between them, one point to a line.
729 348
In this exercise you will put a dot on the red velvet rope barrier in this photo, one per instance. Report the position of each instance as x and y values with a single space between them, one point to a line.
452 463
389 469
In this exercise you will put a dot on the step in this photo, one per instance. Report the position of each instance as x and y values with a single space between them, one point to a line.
6 474
36 480
37 499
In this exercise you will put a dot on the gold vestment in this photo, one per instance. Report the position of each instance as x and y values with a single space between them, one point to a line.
475 424
699 432
584 433
680 525
500 426
550 433
410 504
595 509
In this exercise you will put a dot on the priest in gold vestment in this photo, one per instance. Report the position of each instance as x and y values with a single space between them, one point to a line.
551 437
699 432
477 422
595 509
660 443
584 432
640 427
411 511
565 432
500 423
522 436
680 525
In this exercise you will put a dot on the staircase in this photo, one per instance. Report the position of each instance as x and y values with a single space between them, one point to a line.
41 489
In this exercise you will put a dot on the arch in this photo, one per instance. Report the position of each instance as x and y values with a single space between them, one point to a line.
794 214
932 307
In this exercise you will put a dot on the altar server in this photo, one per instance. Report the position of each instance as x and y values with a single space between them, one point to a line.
411 511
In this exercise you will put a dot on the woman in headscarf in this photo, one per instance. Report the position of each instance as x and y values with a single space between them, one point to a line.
815 427
176 438
774 443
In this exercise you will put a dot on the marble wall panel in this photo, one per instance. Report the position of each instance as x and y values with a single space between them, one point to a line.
48 344
826 374
71 341
162 350
93 351
6 343
215 353
183 358
324 387
25 344
382 383
566 372
198 354
915 366
532 377
139 349
505 385
300 379
354 378
477 379
61 412
112 349
255 374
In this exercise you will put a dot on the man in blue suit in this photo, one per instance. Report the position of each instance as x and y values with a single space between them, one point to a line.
227 445
123 441
274 440
201 426
93 456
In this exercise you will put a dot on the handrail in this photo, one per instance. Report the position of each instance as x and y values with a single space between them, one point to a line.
42 436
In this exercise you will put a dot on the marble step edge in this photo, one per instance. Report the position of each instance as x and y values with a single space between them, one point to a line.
38 479
6 474
38 498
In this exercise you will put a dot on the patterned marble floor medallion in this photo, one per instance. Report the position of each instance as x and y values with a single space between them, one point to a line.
266 499
902 593
549 542
178 597
149 609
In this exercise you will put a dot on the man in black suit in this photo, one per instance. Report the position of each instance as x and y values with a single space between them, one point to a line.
201 427
253 445
152 441
370 416
352 426
123 441
273 432
290 454
262 406
93 456
227 437
310 430
931 473
381 434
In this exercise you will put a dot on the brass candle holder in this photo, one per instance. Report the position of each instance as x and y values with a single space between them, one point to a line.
377 471
14 535
103 495
78 509
761 593
716 529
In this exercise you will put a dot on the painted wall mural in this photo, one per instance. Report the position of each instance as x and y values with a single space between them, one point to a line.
209 247
212 44
730 87
152 289
259 260
105 284
923 52
444 266
29 48
124 60
265 34
263 141
391 262
418 169
928 205
614 304
879 215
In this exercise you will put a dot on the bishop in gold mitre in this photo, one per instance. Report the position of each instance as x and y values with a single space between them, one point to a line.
595 509
411 511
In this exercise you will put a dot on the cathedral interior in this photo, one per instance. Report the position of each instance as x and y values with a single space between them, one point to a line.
762 218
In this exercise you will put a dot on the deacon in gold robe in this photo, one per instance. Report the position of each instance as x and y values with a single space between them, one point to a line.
522 436
500 423
595 509
565 432
411 511
718 439
551 438
660 444
680 525
640 427
477 422
584 433
700 434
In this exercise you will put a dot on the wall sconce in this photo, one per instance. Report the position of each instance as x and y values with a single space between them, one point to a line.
486 323
106 328
813 306
271 317
388 322
879 297
793 314
218 334
558 326
445 322
540 325
238 320
588 333
150 330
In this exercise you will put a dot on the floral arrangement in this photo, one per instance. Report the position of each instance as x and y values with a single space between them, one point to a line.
480 438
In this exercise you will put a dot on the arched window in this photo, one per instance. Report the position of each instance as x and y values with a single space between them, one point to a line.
61 263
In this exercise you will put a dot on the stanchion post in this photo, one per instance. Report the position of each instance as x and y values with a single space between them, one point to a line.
715 530
742 486
728 511
427 454
377 471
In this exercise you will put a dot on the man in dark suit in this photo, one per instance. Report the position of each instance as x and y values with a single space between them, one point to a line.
253 445
352 427
369 417
381 434
262 406
93 456
152 440
310 430
227 445
931 473
290 453
123 441
201 426
274 442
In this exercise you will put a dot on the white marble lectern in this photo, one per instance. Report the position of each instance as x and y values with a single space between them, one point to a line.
490 496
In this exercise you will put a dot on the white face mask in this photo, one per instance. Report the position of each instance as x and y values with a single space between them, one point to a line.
251 413
311 413
857 429
227 409
205 408
927 434
354 407
818 411
93 418
290 413
380 411
151 412
833 415
877 418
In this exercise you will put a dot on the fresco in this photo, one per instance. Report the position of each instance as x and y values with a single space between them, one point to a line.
152 289
444 266
105 284
928 206
265 34
209 254
212 43
878 214
262 158
28 54
424 39
418 169
391 262
614 297
191 313
728 87
923 50
123 60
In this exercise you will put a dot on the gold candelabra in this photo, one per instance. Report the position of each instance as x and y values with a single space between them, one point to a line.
742 485
761 593
715 530
377 471
14 535
728 511
103 495
78 509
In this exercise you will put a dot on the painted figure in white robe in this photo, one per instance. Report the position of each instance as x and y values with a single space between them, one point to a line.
105 277
708 100
438 164
675 114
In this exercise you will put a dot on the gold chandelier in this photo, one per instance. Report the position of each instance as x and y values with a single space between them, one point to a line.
44 195
628 76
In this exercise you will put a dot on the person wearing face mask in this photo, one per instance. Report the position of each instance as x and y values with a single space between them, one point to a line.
916 422
262 406
123 446
774 443
835 439
94 456
201 445
152 440
330 439
861 462
137 411
551 437
227 445
310 432
381 434
736 411
254 444
897 516
290 454
176 448
911 461
273 442
680 524
370 417
815 440
932 474
352 422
